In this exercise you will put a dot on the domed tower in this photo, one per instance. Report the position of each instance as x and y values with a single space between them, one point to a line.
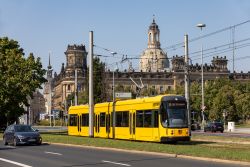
153 59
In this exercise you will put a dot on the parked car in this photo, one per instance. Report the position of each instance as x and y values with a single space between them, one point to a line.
2 128
195 126
214 127
21 134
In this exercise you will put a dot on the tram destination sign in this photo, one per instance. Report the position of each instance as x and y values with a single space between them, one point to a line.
176 104
123 95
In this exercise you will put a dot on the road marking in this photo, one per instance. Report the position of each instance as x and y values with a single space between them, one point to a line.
46 152
10 146
115 163
15 163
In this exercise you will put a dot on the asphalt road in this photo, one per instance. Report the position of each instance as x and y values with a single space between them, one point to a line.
65 156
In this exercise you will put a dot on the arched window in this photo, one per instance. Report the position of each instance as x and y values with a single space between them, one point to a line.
68 87
150 37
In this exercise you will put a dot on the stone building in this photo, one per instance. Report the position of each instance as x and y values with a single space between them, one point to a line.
164 81
217 69
154 59
63 84
37 107
47 91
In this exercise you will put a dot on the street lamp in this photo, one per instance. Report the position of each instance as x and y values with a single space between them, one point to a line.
200 25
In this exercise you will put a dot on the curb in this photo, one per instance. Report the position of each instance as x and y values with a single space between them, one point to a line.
242 163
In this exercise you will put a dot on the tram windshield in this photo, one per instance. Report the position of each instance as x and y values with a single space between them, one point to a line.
174 114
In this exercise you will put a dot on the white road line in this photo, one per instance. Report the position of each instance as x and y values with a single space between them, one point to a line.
46 152
115 163
10 146
15 163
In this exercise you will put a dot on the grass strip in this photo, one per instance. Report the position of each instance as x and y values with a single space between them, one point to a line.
206 137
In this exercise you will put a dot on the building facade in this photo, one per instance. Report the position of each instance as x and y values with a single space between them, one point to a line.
37 107
61 85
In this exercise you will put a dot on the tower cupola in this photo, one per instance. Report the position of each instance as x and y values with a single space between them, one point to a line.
154 36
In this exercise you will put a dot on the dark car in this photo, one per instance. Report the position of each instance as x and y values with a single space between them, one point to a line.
195 126
214 127
21 134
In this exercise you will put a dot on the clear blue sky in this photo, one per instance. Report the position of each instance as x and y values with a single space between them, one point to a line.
41 26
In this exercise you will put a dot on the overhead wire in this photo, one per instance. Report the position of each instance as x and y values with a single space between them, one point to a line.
181 44
223 51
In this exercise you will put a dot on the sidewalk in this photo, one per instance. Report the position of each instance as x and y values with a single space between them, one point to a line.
239 130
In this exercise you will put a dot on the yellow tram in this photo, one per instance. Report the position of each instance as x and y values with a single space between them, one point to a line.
159 119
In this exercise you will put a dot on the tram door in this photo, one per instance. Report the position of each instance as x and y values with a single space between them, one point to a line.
74 127
108 122
108 125
97 125
79 123
132 124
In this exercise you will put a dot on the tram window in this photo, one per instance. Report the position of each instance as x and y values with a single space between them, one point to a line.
122 119
125 118
85 119
118 116
147 118
139 118
72 120
155 118
102 119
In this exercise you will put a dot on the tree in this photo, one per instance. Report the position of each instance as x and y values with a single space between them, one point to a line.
99 84
224 100
19 78
195 99
242 102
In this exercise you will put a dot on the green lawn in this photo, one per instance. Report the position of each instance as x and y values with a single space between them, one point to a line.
211 149
205 137
247 125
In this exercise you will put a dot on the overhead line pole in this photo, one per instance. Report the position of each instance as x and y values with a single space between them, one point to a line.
187 84
91 97
76 93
